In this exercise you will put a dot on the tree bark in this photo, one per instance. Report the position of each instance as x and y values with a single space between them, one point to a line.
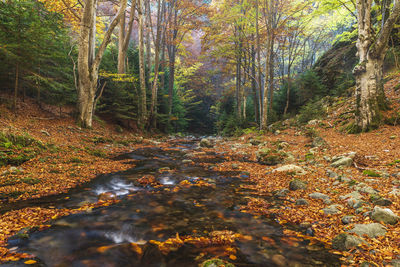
121 51
370 96
16 86
124 38
88 62
142 71
154 89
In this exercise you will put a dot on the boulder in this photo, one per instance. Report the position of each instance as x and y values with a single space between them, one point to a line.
301 202
205 142
270 157
318 195
352 195
344 161
332 209
345 242
384 215
281 193
364 188
291 168
347 219
372 230
297 184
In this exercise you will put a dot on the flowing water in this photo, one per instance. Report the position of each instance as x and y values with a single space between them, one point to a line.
146 213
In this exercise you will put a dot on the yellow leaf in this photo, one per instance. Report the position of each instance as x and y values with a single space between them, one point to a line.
30 262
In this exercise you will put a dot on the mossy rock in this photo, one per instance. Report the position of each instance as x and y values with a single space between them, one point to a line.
270 157
371 173
216 263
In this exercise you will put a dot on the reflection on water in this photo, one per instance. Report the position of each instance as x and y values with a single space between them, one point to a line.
114 235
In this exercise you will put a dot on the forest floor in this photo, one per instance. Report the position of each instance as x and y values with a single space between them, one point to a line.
54 155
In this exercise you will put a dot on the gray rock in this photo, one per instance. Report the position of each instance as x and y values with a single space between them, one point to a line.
384 215
297 184
395 192
270 157
333 209
345 242
355 203
235 166
331 174
345 161
317 195
206 143
352 195
347 219
291 168
187 161
282 193
283 145
255 142
318 141
364 188
383 202
395 263
302 202
372 230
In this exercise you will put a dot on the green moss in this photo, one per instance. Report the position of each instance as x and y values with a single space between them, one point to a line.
30 180
371 173
96 152
309 156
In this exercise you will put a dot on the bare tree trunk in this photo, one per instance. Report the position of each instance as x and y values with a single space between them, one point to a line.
16 86
148 43
88 62
124 38
171 78
154 90
254 85
142 71
121 40
288 90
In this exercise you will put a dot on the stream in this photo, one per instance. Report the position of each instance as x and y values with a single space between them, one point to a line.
158 213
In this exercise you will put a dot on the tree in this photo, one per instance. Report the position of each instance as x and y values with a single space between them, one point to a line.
142 71
372 47
124 36
89 61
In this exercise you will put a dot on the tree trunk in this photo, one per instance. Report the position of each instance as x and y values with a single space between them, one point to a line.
154 89
287 91
142 102
148 43
121 41
171 79
370 96
16 86
254 85
88 62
